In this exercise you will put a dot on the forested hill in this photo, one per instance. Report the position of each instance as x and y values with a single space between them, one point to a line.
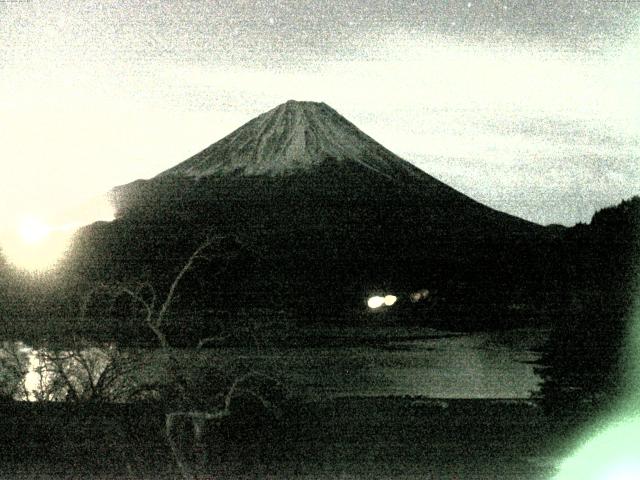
584 362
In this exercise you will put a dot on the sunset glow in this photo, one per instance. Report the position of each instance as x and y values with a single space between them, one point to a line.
33 230
36 244
36 249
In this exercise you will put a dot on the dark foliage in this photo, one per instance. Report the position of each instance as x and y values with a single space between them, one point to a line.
357 437
583 364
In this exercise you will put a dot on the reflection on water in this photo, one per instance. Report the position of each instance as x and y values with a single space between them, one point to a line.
56 375
476 365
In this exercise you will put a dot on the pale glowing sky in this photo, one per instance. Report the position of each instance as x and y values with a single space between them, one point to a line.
530 107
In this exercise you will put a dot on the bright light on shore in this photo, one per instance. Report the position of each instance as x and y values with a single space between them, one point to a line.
390 300
377 301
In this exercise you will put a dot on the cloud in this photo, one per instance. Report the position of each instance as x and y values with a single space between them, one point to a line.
511 108
544 192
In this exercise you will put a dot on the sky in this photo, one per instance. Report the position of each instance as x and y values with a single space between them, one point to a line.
531 107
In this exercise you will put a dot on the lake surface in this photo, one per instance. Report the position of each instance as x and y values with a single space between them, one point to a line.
426 363
475 365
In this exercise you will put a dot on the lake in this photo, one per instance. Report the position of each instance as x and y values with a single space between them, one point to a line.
433 364
427 363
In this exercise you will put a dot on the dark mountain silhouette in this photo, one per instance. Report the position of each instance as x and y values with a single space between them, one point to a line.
324 217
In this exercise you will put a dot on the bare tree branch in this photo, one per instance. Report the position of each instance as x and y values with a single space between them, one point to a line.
235 386
145 296
211 340
197 254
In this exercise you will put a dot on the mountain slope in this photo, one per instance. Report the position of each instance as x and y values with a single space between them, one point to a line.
295 136
309 149
322 212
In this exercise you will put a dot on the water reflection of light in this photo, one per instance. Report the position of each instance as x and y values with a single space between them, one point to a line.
32 378
80 368
37 378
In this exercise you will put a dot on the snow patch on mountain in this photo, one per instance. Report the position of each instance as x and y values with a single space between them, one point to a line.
292 137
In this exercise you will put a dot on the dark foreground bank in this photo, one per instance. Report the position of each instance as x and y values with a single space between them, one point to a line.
353 438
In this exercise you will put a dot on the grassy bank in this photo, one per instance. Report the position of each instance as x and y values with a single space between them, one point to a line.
341 438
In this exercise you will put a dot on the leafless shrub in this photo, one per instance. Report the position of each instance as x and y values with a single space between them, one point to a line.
83 373
201 392
14 366
149 305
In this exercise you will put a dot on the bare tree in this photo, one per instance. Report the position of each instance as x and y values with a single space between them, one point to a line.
14 366
243 385
229 384
146 298
85 373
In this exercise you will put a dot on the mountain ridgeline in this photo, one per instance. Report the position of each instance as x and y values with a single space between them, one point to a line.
319 217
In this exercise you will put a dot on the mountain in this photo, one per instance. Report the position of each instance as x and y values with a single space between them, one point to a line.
295 136
325 216
308 149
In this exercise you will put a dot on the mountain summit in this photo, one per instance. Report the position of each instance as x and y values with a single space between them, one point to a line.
293 137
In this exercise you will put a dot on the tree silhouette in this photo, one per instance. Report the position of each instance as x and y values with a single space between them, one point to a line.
183 394
151 308
583 363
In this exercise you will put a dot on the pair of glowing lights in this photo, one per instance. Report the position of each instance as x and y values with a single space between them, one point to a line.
378 301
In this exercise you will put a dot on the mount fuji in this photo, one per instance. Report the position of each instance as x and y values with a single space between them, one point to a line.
295 136
325 215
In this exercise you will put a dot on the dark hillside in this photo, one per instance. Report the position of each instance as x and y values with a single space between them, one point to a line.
318 217
585 360
333 233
